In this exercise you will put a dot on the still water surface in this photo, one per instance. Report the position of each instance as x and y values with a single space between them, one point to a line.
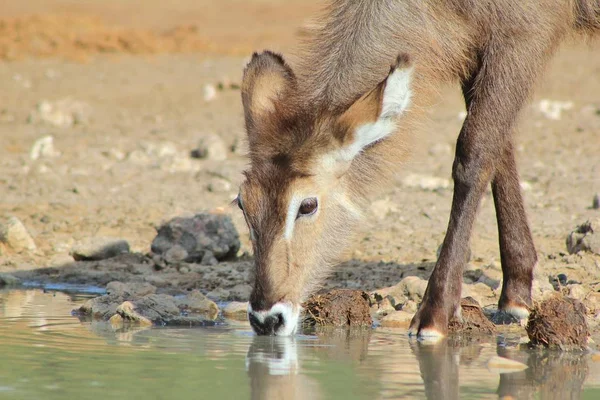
45 353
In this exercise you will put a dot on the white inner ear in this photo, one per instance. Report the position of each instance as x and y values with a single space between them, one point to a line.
396 99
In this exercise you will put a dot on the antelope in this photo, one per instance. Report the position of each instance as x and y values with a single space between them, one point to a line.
325 135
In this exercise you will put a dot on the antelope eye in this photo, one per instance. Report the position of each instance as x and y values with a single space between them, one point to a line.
308 207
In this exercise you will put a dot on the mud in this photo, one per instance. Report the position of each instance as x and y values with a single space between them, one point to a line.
559 322
338 308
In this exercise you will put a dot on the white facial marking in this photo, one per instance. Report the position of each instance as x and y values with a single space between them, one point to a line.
292 214
290 314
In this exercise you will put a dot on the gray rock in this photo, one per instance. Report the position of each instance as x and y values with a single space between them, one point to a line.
240 292
236 310
8 280
195 302
176 254
199 235
14 234
130 290
98 248
584 238
120 307
211 147
409 288
218 185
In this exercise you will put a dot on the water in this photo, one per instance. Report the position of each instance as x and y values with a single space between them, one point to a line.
46 353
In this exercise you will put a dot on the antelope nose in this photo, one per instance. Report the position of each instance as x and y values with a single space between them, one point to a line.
266 325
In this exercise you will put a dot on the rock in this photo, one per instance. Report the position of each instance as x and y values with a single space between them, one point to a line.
131 290
425 182
125 305
382 208
409 288
236 310
562 279
14 234
154 307
63 113
584 239
195 302
240 292
98 248
577 292
199 235
8 280
504 365
480 292
339 307
552 109
218 294
127 312
176 254
383 306
211 147
472 319
559 322
474 276
218 185
102 307
43 147
397 319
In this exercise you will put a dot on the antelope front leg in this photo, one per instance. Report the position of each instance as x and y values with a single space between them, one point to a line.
517 251
494 96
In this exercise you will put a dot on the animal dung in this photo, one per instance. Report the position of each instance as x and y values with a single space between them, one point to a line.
473 319
558 322
338 307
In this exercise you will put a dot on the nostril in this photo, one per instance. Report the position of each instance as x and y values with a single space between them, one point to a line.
279 321
254 321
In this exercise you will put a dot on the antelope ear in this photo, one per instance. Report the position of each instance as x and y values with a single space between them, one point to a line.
267 79
372 117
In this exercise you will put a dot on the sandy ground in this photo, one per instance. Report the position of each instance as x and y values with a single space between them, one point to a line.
121 89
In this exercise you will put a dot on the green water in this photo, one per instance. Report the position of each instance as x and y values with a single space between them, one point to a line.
45 353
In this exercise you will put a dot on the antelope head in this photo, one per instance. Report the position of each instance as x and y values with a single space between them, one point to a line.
304 190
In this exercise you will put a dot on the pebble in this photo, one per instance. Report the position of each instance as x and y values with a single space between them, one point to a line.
43 147
397 319
62 113
236 310
211 147
218 185
552 109
14 234
98 248
426 182
584 238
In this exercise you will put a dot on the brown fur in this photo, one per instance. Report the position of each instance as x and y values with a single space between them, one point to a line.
495 49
